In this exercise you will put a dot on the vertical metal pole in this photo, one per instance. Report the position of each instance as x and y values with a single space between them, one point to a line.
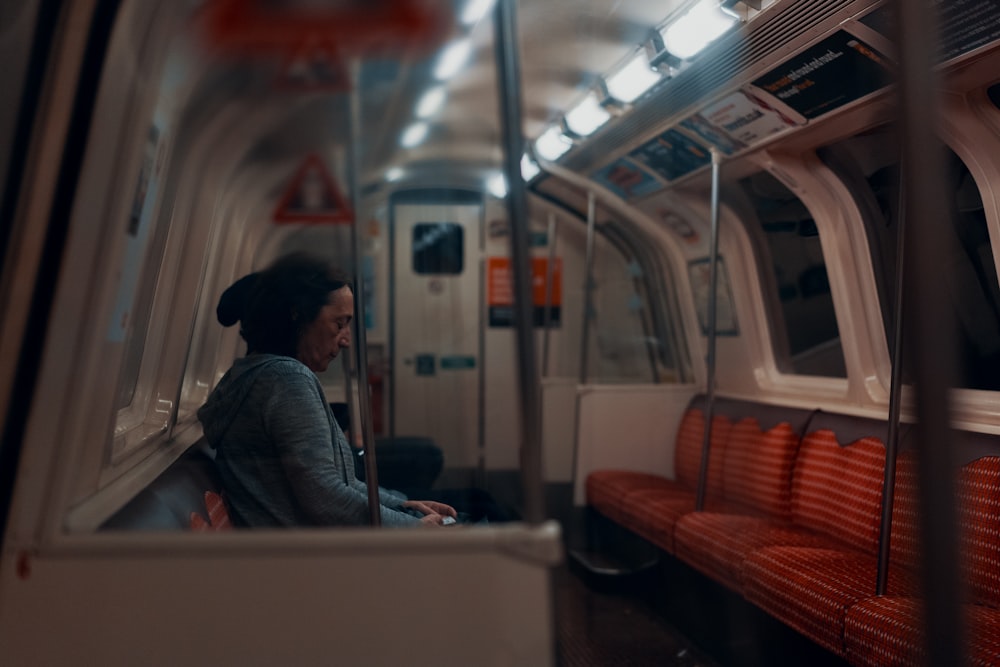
588 289
360 344
483 324
895 401
930 317
713 294
553 230
588 286
509 84
391 280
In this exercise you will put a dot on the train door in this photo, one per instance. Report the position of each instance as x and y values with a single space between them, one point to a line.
436 326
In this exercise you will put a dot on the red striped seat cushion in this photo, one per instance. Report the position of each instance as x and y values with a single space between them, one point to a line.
838 490
606 489
888 630
654 515
812 589
884 631
757 468
650 505
718 544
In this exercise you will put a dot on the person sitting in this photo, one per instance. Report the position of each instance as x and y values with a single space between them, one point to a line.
282 458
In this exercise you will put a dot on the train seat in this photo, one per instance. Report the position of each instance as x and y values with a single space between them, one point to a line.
170 500
881 630
218 515
793 524
836 497
757 474
650 505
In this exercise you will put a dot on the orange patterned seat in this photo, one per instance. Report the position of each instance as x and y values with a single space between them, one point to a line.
888 630
650 505
811 589
836 495
757 475
218 516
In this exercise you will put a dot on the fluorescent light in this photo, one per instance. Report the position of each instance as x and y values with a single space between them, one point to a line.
475 10
496 184
696 29
552 144
587 116
632 80
452 59
529 168
394 174
431 102
414 135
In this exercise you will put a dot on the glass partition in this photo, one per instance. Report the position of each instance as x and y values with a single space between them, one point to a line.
635 336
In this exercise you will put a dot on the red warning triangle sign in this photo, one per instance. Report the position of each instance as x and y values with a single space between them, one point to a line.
315 66
313 197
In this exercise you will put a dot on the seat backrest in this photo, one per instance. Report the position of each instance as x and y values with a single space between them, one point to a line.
218 515
837 479
979 520
904 550
689 444
757 469
760 454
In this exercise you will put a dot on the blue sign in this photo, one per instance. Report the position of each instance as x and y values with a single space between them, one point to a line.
672 155
626 179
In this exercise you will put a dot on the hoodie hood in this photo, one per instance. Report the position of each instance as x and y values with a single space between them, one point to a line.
225 401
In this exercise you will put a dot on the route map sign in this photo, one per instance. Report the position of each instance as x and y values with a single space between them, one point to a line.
627 179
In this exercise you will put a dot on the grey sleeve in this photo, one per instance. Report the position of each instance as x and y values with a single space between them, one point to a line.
295 418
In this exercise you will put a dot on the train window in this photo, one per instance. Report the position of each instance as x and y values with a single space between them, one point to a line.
144 248
868 163
969 271
972 281
635 313
805 315
437 248
994 94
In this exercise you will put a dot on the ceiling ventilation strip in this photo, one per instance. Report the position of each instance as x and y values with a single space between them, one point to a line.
727 64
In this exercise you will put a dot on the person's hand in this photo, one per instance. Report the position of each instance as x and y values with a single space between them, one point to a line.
432 507
432 520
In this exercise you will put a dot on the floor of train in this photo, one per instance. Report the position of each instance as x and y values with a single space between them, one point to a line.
662 613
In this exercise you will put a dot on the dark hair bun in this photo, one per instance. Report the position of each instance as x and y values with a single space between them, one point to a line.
233 302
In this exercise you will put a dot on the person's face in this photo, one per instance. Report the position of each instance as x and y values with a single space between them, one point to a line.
329 332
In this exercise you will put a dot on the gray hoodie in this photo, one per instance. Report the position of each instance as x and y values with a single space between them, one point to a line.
282 457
